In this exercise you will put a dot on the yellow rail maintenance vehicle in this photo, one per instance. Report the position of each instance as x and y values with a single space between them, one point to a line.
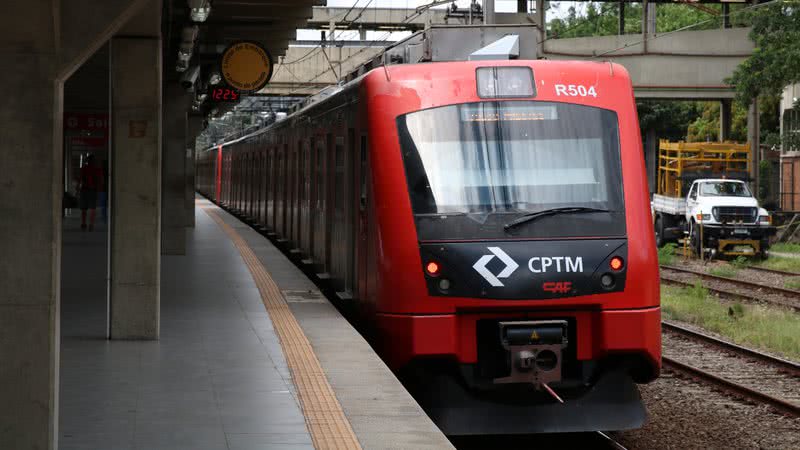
702 195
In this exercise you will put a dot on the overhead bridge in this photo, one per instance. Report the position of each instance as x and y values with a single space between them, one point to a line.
681 65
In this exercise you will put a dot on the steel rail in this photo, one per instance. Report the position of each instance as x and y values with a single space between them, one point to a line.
731 294
611 441
744 391
748 284
775 271
793 368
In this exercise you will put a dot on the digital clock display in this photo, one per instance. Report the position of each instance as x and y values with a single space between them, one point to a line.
224 94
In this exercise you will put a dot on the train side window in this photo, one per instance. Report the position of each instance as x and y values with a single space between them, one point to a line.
363 173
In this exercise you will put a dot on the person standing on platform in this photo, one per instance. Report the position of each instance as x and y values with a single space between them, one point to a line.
91 181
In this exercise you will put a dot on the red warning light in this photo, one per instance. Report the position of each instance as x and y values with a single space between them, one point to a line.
432 268
616 263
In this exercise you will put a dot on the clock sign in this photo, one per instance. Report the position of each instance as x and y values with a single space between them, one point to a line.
223 94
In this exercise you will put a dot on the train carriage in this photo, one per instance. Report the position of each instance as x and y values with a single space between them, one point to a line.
490 222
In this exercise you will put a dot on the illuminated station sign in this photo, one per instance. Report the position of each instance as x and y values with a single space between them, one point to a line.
222 94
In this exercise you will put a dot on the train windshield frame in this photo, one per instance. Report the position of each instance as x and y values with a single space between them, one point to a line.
473 167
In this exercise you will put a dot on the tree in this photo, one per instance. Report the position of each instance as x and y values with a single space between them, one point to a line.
775 62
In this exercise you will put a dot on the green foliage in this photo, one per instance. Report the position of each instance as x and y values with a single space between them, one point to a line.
668 118
786 247
740 262
724 271
666 254
778 263
773 329
600 19
775 62
793 283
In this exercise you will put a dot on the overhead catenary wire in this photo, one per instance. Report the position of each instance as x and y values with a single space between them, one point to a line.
383 38
318 47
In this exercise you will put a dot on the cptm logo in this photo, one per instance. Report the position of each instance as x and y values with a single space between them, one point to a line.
480 266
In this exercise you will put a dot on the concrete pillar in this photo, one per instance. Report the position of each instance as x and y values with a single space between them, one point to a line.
651 158
648 22
488 12
135 187
362 34
30 223
754 137
41 45
724 120
195 125
541 24
173 172
652 25
726 18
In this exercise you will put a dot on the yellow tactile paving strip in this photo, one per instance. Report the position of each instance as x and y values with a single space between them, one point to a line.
326 421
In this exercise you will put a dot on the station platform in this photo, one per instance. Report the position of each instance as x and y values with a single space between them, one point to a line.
251 356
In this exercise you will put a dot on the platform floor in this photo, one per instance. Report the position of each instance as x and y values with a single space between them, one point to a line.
218 377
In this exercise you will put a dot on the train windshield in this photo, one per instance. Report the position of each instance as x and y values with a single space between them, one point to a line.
472 168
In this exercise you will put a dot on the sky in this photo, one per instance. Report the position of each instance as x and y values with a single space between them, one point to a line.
557 9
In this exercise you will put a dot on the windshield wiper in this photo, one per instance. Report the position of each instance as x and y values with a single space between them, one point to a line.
550 212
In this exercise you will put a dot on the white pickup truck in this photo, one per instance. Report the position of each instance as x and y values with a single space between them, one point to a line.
720 216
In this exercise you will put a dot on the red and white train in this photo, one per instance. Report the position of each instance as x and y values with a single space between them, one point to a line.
490 222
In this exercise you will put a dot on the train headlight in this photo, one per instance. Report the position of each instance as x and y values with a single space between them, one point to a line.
433 268
444 284
507 81
616 263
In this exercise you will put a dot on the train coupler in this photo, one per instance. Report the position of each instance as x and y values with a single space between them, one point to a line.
536 351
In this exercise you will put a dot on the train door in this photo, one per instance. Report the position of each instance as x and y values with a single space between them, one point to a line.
250 183
248 163
329 200
257 187
266 177
270 187
279 181
291 207
349 212
305 207
286 185
235 181
318 211
227 187
338 245
363 217
239 180
253 182
298 182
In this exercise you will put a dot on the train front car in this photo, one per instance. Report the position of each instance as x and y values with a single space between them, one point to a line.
516 264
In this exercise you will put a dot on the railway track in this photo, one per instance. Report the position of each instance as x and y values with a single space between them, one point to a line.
747 284
745 372
736 289
775 271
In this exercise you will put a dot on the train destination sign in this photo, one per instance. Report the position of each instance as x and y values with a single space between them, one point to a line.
246 66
